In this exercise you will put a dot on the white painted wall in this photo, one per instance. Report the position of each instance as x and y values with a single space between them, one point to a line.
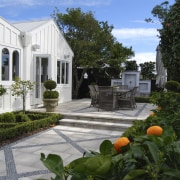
51 44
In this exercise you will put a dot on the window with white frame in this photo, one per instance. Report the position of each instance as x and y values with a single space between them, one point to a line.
62 72
8 61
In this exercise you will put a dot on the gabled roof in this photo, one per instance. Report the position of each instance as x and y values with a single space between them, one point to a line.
28 26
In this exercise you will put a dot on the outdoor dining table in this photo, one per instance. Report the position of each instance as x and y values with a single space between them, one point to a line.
117 93
108 97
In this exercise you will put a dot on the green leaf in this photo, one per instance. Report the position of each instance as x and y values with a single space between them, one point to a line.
134 173
105 147
137 152
96 165
153 149
54 163
173 173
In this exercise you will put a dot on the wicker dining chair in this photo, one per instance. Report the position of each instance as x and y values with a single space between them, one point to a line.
105 97
128 101
93 95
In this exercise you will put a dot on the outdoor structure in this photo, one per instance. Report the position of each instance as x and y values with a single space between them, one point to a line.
35 51
161 71
132 79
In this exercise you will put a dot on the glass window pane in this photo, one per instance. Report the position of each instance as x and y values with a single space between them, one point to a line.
15 65
5 64
58 72
67 73
63 73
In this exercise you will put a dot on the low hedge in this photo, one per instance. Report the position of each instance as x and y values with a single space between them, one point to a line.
142 99
18 129
7 125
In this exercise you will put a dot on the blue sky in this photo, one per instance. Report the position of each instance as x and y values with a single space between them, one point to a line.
127 17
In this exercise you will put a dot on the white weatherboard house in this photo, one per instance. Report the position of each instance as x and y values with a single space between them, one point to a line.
35 51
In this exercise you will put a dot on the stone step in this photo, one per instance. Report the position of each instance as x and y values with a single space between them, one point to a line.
118 126
92 118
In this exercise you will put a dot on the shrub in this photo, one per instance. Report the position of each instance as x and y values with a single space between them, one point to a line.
2 90
36 116
168 101
142 99
172 86
148 157
17 129
7 117
50 94
50 84
21 117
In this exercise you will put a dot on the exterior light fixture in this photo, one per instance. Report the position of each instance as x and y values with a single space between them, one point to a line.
85 75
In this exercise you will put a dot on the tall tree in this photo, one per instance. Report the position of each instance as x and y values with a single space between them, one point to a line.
170 42
169 36
131 65
91 41
147 70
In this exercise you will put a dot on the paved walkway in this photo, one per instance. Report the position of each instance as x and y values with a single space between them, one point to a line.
21 160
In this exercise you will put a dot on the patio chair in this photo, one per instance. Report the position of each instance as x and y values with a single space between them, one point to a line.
96 88
93 95
128 101
105 97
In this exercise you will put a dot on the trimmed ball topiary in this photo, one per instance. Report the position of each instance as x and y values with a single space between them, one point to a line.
172 86
50 84
50 94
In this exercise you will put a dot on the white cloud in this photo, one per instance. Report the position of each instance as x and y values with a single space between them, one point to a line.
142 40
5 3
135 33
144 57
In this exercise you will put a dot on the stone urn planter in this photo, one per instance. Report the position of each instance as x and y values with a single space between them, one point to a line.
50 104
50 96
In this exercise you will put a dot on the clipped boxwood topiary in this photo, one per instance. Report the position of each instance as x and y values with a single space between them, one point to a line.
50 97
50 94
172 86
50 84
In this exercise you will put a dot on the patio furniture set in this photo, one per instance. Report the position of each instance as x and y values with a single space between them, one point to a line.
112 97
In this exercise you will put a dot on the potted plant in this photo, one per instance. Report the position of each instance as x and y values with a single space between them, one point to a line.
50 96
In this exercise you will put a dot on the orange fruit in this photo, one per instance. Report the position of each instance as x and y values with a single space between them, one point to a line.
159 108
153 114
154 130
120 142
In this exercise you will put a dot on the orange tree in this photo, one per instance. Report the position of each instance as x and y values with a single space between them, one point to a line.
147 157
148 150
